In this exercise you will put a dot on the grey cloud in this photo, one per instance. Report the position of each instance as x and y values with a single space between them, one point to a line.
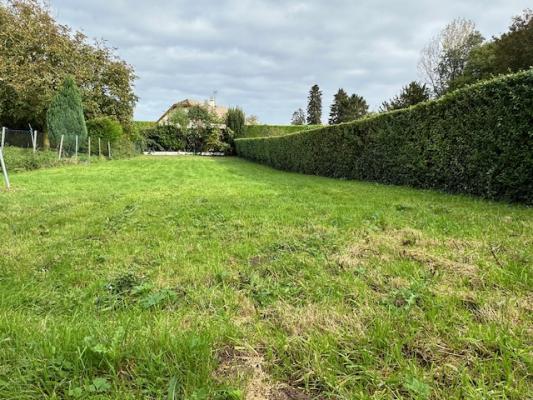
265 54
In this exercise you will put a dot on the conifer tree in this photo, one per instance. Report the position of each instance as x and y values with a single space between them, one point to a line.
65 116
410 95
357 108
314 107
347 108
338 108
235 120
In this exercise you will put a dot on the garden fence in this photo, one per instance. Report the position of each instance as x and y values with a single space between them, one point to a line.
31 139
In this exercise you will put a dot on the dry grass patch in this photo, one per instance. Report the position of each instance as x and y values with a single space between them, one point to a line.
317 318
247 367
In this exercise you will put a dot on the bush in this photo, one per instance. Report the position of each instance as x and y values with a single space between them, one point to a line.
477 140
195 139
251 131
165 138
65 116
18 159
105 128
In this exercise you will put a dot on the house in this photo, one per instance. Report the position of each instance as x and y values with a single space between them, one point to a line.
188 103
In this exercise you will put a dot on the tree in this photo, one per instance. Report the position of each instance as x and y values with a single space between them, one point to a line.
446 55
235 120
347 108
314 107
180 118
298 117
410 95
357 108
339 107
252 120
37 54
514 49
511 52
65 116
202 127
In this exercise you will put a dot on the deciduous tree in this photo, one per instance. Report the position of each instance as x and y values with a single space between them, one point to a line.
511 52
298 117
446 55
37 54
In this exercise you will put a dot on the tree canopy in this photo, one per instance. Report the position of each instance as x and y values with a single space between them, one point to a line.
510 52
446 55
37 55
298 117
347 108
410 95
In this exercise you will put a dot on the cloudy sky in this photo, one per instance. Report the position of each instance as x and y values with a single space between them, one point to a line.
264 55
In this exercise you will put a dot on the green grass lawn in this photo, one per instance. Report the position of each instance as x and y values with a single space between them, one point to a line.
201 278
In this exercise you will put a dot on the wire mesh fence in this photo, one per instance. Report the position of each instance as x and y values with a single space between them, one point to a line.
76 151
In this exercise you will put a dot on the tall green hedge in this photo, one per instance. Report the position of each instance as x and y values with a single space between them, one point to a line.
477 140
252 131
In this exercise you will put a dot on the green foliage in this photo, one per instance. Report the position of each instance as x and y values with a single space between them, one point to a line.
165 138
340 101
65 116
197 138
200 115
105 128
179 118
18 159
511 52
410 95
356 108
514 49
347 108
251 131
314 106
446 55
141 125
235 120
192 278
38 54
475 140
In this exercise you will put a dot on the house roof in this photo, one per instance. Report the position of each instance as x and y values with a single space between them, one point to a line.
220 111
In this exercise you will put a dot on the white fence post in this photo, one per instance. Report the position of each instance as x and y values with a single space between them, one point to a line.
61 147
76 151
3 137
108 149
34 141
89 150
99 148
4 170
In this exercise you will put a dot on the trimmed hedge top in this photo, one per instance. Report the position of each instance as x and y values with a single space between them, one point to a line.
252 131
477 140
